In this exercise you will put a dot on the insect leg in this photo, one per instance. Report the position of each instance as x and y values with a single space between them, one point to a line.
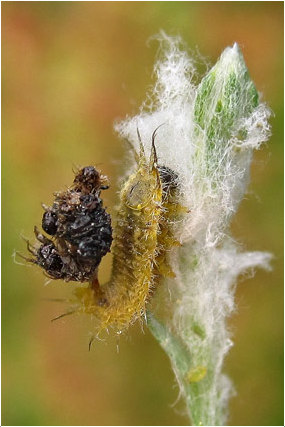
25 258
41 238
30 248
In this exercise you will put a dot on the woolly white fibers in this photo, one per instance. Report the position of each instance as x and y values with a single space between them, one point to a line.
208 137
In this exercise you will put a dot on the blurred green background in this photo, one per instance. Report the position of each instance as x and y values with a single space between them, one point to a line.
69 69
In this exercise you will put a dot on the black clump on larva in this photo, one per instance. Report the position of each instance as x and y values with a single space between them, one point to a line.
169 178
49 222
80 228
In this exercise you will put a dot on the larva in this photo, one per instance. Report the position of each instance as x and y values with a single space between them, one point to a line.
123 299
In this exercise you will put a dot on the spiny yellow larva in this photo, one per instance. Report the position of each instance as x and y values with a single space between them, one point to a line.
121 301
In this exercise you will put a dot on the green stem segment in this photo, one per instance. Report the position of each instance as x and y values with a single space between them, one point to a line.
181 362
225 96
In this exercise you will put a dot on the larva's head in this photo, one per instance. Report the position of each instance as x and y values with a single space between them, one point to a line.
142 187
138 191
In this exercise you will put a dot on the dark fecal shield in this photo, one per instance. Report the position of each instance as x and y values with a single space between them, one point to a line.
80 228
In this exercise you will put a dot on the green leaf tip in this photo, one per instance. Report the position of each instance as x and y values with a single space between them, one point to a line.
225 96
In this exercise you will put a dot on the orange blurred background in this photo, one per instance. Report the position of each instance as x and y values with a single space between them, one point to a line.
69 69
